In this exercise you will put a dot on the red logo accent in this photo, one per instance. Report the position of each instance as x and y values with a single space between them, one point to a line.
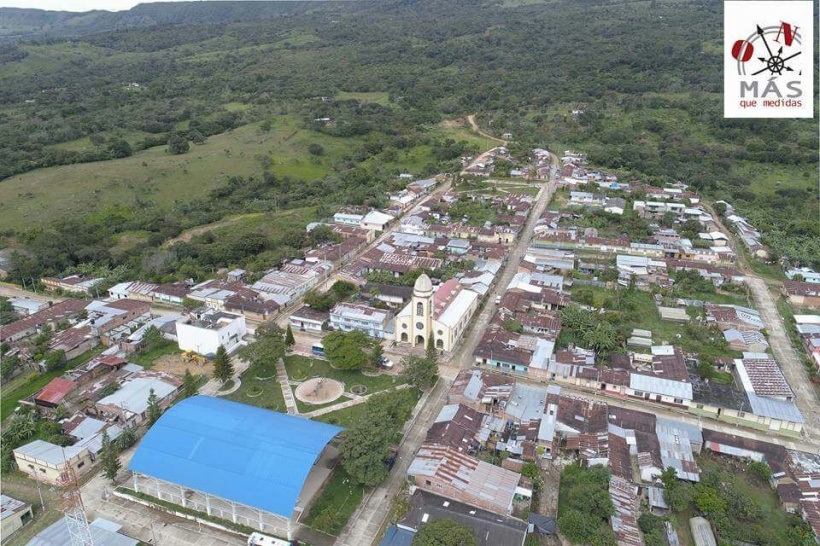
788 32
742 50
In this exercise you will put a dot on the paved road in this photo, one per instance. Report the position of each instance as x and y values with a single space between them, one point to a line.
145 524
661 410
364 527
13 291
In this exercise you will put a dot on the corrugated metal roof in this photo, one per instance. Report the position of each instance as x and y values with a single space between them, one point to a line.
9 506
102 534
49 453
249 455
133 396
55 391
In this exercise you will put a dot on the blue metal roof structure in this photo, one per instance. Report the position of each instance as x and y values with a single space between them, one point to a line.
242 453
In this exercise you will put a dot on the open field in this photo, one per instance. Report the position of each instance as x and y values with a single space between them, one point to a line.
165 353
156 176
377 97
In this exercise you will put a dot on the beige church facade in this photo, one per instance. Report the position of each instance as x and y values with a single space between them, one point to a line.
443 314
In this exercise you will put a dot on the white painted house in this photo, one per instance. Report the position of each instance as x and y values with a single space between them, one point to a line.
210 329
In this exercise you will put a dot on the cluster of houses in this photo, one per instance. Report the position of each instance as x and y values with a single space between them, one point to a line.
746 232
453 475
535 167
435 307
522 335
808 328
491 413
576 173
106 395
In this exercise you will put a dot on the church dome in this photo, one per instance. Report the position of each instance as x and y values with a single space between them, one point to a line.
423 286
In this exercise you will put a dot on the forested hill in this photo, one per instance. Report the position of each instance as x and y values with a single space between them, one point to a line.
16 23
96 130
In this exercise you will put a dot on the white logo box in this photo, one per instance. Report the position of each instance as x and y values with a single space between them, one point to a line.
768 52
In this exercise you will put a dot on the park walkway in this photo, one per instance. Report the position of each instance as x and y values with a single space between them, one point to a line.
287 392
356 400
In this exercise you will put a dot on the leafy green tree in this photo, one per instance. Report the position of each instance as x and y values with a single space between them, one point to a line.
346 350
513 325
321 301
316 149
432 354
188 384
154 411
761 469
709 500
422 373
55 360
367 441
290 341
19 428
376 353
577 527
126 439
8 365
668 219
364 448
603 337
680 497
326 521
223 369
178 144
119 148
7 313
343 289
109 458
705 369
265 352
444 532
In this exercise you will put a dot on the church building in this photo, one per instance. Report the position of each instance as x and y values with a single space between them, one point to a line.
442 314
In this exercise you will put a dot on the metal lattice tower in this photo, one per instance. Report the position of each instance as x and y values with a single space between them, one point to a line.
74 510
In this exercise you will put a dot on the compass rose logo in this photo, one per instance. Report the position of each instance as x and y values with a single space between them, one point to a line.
773 61
768 60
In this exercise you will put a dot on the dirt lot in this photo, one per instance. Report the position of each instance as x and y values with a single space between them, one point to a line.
452 123
174 365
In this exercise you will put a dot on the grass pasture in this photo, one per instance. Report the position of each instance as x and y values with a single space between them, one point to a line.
154 175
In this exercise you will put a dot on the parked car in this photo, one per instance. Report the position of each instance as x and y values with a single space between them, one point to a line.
386 363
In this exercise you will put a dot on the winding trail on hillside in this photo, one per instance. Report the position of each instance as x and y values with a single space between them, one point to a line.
477 130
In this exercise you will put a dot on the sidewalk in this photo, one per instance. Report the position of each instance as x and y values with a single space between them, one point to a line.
287 391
